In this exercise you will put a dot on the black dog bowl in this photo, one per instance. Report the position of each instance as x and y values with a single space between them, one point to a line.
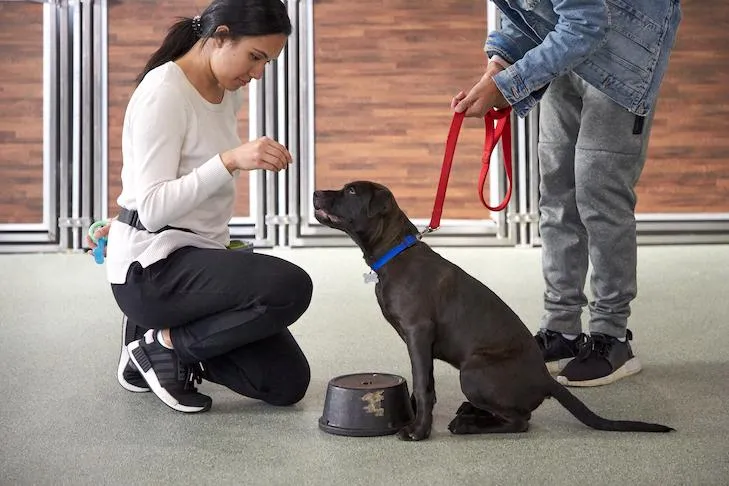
366 405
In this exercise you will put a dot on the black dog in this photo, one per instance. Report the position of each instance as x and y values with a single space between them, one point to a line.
443 313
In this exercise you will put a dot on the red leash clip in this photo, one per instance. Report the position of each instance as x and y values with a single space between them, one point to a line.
502 131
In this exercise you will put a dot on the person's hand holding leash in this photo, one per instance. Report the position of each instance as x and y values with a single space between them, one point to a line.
263 153
482 97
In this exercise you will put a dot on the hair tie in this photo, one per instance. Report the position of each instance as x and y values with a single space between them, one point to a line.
197 26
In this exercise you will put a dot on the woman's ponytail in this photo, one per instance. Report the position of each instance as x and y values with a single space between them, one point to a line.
180 38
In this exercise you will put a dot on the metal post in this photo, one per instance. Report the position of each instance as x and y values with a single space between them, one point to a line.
100 126
86 181
520 181
291 77
496 173
533 206
50 119
257 179
76 125
64 118
279 105
268 114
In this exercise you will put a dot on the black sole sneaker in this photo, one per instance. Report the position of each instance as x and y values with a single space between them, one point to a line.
557 350
602 360
127 374
170 379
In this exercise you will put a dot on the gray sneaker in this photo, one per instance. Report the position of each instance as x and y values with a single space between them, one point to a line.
602 360
557 349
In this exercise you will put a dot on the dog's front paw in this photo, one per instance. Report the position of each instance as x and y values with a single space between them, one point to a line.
412 432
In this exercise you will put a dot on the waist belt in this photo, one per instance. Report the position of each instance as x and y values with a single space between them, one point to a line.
131 217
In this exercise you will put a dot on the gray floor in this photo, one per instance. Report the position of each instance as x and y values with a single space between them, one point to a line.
65 420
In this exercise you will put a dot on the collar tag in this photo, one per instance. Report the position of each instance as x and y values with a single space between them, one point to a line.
370 277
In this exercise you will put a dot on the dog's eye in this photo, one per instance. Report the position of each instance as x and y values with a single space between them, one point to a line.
351 190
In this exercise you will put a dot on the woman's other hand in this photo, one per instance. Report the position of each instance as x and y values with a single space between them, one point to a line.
263 153
100 232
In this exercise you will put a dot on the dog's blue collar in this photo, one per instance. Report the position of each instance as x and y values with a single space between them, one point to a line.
406 243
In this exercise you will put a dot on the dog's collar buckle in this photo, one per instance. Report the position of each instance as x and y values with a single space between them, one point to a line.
427 230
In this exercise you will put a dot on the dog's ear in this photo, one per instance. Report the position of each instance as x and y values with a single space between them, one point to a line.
380 202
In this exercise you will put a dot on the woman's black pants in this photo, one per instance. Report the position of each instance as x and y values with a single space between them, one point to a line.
230 311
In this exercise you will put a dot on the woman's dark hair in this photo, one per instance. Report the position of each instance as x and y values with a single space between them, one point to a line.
244 18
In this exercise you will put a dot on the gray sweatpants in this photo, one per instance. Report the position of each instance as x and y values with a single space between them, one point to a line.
590 160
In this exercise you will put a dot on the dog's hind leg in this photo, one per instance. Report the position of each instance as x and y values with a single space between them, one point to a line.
486 422
487 411
470 417
468 409
468 412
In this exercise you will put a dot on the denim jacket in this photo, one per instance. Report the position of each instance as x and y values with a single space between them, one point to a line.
620 47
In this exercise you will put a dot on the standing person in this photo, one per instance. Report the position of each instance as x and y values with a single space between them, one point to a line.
195 309
595 68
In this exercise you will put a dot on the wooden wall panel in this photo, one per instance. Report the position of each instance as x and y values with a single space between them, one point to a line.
21 113
136 30
385 72
687 169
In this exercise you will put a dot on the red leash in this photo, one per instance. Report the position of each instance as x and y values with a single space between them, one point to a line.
493 134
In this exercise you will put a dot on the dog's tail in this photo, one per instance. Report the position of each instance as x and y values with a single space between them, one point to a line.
589 418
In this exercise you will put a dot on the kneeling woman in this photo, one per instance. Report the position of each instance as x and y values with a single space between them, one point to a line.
196 309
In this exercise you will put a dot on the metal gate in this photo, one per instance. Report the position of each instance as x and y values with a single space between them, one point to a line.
59 164
35 128
54 135
297 86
